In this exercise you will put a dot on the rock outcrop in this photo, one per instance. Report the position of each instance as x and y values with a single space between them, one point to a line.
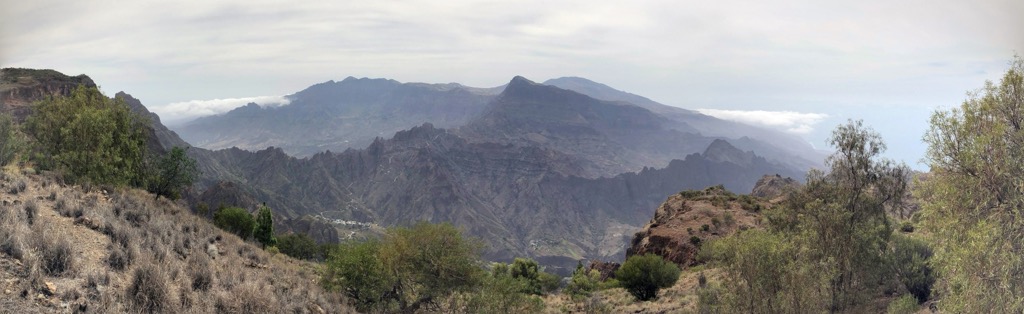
689 219
773 186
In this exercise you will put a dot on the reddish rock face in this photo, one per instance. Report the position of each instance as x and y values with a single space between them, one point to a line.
691 218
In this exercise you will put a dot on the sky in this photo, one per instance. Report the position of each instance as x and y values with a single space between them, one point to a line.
798 66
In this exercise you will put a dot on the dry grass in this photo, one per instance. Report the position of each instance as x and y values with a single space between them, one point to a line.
680 298
91 251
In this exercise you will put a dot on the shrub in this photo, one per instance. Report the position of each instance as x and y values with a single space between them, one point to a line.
909 258
298 245
549 282
729 219
695 241
705 228
149 290
907 227
11 238
501 294
57 256
120 256
200 273
31 211
18 187
583 282
235 220
264 229
644 275
905 304
12 142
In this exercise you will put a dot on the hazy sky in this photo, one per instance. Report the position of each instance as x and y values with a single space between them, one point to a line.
800 66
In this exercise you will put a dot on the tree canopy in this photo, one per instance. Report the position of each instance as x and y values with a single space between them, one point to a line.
974 198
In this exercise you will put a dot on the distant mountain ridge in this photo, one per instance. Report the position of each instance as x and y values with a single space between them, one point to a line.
521 195
337 115
349 114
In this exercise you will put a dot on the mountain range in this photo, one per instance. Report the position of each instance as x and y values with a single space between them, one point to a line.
532 169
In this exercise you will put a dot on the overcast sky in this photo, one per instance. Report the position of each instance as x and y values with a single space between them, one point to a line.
799 66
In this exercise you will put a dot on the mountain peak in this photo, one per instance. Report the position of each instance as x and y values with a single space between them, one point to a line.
722 151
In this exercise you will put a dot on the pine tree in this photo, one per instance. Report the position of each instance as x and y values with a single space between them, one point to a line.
264 231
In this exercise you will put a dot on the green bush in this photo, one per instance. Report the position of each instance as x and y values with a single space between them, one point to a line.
500 294
907 227
298 245
644 275
583 282
536 281
235 220
909 257
12 142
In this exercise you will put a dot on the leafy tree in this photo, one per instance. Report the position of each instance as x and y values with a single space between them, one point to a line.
760 272
235 220
90 137
264 229
644 275
839 218
582 283
357 269
973 201
422 266
500 293
174 171
298 245
11 140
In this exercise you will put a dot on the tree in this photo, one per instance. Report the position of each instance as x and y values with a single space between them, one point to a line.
420 266
644 275
235 220
174 171
90 137
357 269
11 140
264 229
973 201
298 245
760 272
839 218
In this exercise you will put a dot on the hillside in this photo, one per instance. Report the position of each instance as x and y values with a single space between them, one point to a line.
66 249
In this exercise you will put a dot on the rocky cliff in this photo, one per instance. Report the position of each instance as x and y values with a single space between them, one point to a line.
690 218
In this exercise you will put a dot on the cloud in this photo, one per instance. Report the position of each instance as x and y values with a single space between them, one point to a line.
789 121
187 110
